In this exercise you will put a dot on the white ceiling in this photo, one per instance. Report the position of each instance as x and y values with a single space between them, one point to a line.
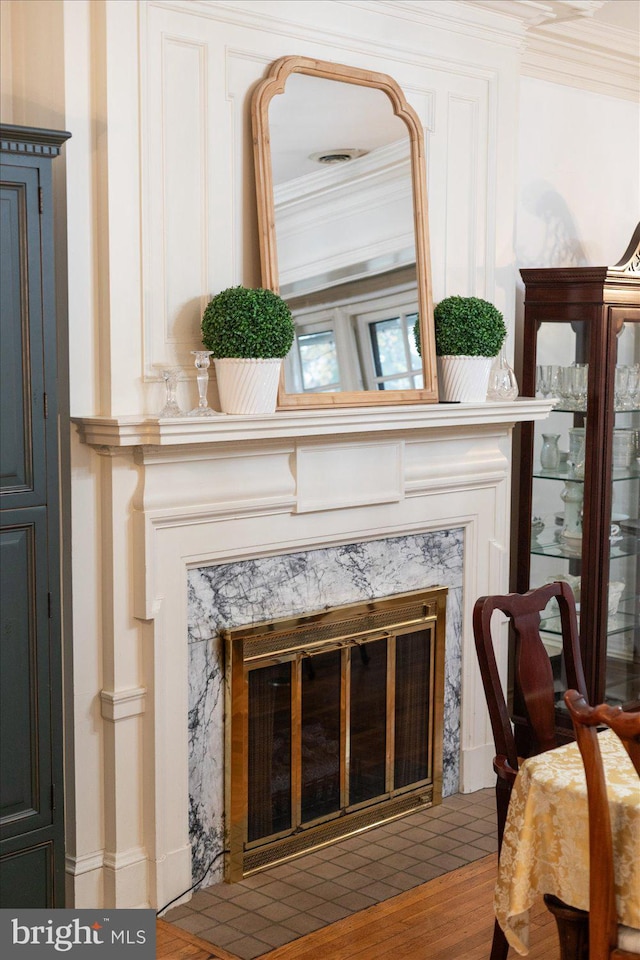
620 13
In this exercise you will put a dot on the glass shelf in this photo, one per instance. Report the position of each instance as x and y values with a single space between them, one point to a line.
619 623
562 473
566 409
553 546
625 473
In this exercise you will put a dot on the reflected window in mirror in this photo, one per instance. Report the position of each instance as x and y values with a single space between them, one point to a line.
342 216
313 364
358 336
391 361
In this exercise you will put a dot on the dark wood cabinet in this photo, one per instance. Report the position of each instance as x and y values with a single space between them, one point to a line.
31 735
579 474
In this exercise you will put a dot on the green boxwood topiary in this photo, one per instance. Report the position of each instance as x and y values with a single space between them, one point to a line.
466 326
240 322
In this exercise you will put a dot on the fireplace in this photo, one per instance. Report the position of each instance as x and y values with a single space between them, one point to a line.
235 521
333 724
243 594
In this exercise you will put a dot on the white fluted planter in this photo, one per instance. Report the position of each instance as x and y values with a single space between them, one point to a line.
464 379
248 386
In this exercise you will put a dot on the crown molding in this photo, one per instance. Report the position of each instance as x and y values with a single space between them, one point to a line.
564 43
585 54
559 39
465 17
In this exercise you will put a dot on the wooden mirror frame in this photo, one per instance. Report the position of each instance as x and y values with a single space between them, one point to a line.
274 84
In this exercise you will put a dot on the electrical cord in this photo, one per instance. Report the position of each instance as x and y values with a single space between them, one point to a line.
194 884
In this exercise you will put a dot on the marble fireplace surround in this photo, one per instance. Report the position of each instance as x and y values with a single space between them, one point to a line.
292 585
236 494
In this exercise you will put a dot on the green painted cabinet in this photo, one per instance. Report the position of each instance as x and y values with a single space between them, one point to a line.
31 730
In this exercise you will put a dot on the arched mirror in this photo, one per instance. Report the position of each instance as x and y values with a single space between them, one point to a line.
342 216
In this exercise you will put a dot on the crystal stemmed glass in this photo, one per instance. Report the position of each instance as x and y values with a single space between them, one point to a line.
621 387
633 399
543 379
565 391
554 379
171 407
202 362
579 384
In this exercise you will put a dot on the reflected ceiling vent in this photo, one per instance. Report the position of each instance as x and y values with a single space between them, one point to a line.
343 155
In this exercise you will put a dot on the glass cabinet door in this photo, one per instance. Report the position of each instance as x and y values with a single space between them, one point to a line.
560 545
559 462
622 662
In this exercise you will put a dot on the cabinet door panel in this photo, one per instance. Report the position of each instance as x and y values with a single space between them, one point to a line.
22 461
25 732
26 877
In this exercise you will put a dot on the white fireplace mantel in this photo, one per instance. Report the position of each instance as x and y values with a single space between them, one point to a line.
177 495
126 431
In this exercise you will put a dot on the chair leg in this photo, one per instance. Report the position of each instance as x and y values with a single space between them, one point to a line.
573 928
500 944
503 795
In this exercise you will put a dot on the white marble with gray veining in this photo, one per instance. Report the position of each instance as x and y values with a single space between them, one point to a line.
251 591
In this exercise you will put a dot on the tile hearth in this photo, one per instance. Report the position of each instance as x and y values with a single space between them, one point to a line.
285 902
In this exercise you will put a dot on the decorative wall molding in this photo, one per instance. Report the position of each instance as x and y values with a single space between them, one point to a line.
77 866
370 473
176 175
411 54
469 219
128 858
122 704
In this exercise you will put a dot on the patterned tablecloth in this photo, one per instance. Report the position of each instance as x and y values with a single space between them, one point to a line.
546 843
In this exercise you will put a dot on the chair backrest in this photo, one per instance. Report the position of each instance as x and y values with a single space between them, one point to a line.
603 921
533 673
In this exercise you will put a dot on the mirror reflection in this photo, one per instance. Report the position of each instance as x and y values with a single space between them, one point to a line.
343 204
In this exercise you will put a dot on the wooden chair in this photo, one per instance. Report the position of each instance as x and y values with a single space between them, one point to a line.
534 687
607 940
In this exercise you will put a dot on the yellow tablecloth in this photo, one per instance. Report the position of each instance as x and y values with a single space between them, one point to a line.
546 842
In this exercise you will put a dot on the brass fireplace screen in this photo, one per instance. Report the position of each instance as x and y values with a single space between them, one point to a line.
334 724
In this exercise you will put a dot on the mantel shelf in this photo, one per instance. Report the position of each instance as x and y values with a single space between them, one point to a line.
130 431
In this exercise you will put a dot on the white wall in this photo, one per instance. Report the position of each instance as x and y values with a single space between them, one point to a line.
578 185
578 176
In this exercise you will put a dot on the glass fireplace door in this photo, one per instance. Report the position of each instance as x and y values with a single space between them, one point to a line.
335 727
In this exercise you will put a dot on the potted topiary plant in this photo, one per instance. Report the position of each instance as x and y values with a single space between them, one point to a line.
248 332
468 333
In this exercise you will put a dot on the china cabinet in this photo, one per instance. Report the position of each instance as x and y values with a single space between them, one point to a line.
579 483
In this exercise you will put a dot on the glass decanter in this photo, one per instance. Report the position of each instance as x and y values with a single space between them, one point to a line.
502 379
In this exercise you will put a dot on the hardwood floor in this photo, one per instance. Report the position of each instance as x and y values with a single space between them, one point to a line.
172 943
449 918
